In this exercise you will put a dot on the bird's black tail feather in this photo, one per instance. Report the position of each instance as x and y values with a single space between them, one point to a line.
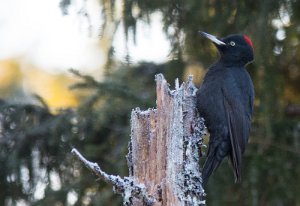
210 165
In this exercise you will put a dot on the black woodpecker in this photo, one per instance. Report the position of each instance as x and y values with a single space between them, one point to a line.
225 101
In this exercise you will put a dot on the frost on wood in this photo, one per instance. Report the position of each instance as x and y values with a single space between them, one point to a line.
124 186
164 151
166 144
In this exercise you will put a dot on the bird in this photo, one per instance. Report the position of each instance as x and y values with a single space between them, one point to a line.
225 101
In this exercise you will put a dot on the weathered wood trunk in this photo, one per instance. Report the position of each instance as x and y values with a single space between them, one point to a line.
165 147
164 152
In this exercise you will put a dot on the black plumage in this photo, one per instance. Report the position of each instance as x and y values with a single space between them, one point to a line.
225 101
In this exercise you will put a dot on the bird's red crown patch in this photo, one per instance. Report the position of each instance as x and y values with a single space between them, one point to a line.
248 40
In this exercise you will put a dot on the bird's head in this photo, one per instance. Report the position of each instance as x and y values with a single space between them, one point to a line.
236 49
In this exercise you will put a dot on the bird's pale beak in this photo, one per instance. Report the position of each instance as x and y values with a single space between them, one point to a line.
212 38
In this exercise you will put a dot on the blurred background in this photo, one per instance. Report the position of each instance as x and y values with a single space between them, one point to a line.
72 71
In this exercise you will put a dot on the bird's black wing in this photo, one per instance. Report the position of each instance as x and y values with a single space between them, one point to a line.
238 123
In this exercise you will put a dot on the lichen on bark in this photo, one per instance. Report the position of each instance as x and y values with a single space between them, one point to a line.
164 151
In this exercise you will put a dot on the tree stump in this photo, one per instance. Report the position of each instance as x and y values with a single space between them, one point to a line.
164 151
165 146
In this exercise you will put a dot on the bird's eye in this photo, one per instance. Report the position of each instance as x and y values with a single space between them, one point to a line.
232 43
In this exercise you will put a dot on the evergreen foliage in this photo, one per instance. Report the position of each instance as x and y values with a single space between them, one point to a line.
35 144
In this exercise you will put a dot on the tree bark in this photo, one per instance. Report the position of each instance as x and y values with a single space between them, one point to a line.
164 151
165 147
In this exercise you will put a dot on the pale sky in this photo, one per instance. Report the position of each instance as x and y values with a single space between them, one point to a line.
37 32
151 43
